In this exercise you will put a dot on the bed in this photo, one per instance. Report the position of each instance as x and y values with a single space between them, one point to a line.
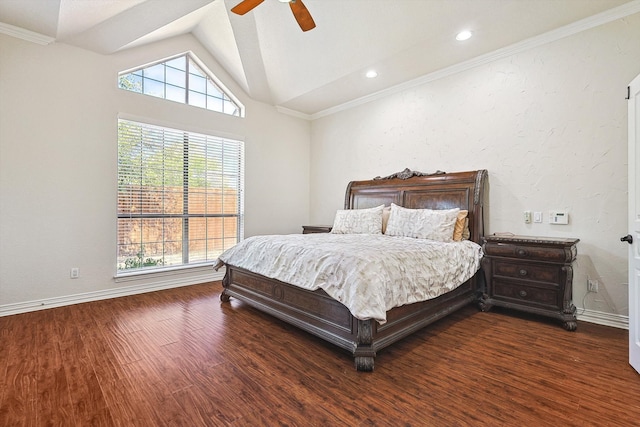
316 312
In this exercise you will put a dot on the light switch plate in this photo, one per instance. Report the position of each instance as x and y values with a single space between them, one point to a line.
537 217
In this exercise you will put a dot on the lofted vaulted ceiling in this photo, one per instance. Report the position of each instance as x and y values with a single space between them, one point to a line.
315 71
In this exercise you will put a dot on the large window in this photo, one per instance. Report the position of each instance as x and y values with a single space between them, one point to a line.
179 197
182 80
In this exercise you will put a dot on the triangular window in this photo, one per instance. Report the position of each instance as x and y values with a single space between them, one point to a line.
182 79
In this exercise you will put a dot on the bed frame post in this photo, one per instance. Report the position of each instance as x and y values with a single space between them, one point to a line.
224 296
364 355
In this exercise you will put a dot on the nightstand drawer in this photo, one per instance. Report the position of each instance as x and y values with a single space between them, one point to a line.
526 293
527 252
527 271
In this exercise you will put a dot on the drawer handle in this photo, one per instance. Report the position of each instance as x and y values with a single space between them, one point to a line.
521 252
523 293
523 272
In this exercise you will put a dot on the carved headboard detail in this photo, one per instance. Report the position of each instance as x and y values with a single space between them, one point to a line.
408 173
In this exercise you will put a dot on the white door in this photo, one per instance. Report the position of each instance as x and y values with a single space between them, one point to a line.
634 223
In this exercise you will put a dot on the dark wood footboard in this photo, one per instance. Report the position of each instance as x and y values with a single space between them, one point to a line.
319 314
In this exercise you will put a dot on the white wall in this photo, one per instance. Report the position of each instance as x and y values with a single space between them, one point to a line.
59 107
550 126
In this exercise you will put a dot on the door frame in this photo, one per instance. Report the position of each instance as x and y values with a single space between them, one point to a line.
634 221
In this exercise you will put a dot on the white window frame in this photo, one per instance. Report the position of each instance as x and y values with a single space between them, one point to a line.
185 94
133 200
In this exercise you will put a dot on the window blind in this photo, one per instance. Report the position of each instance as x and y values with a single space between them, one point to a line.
180 196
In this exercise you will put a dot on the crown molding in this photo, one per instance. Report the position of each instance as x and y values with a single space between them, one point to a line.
21 33
293 113
597 20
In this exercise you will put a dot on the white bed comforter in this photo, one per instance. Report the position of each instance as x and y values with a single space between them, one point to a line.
370 274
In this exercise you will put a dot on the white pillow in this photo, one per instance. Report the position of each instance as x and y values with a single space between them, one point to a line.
422 223
358 221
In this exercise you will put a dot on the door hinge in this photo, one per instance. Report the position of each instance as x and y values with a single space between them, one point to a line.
628 92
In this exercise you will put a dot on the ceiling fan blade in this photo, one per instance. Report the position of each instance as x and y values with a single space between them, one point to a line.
302 15
245 6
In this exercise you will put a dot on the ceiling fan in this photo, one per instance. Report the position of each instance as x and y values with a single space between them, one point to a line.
300 11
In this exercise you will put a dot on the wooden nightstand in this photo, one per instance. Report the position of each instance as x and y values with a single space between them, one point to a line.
308 229
532 274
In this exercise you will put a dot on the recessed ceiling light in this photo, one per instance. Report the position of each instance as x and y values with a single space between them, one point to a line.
464 35
371 74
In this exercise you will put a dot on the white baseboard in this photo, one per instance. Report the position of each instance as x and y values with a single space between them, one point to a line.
25 307
601 318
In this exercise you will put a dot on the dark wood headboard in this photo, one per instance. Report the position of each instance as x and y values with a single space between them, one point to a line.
464 190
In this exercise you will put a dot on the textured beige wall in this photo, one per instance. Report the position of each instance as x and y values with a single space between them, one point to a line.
548 123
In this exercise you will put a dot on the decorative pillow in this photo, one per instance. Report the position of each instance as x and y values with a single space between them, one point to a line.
386 211
422 223
466 233
461 222
358 221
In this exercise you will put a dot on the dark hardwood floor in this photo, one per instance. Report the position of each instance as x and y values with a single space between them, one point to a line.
182 358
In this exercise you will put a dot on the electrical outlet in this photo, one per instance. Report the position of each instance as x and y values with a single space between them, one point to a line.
592 285
75 272
527 217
